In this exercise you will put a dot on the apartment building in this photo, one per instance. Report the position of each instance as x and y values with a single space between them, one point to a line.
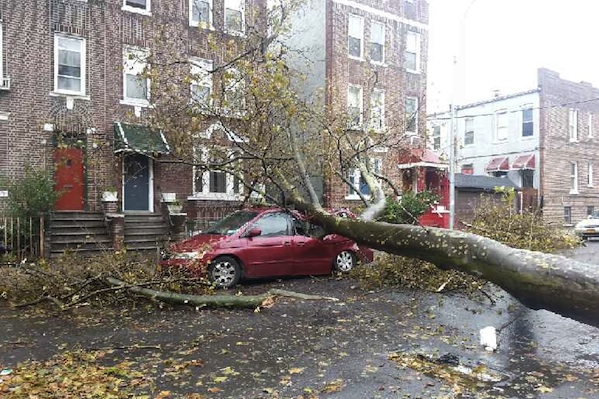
74 95
368 58
542 140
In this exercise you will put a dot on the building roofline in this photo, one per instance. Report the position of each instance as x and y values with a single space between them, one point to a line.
499 98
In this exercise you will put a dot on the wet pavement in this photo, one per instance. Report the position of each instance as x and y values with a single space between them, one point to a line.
384 344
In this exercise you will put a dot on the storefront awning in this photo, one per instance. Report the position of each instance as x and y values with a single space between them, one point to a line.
497 164
138 138
524 162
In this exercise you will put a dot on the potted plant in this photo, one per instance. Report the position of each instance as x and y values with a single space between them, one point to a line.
174 207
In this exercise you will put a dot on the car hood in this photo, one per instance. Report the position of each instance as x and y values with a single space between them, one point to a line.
197 242
584 223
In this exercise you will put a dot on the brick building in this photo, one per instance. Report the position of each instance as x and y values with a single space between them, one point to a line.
72 96
369 58
542 139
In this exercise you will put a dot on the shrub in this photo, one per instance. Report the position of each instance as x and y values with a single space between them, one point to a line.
409 208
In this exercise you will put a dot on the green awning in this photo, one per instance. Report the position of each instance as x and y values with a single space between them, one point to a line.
138 138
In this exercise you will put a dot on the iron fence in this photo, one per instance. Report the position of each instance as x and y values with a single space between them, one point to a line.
21 238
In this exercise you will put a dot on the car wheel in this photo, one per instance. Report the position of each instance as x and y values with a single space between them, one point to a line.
224 272
345 261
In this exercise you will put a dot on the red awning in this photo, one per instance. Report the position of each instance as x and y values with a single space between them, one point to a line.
497 164
524 162
419 157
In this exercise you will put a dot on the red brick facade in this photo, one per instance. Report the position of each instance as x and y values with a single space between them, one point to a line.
32 112
391 76
560 196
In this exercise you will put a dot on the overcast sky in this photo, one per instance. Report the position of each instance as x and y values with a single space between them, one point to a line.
504 42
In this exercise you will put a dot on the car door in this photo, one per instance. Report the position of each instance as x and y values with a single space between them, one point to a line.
312 255
270 253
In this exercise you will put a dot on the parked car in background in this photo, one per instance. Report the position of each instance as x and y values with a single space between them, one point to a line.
263 242
588 227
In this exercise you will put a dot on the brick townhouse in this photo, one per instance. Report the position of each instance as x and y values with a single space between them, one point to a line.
71 96
369 57
543 139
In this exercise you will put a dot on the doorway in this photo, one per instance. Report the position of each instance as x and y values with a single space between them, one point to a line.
137 175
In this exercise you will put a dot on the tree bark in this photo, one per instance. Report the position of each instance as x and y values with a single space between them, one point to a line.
239 301
538 280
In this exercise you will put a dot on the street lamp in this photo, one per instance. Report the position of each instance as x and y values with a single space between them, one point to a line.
453 120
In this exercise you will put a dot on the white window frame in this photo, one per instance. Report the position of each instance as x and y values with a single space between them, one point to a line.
573 125
412 114
146 11
382 61
436 137
501 125
469 128
82 66
350 34
590 126
201 75
233 84
377 109
590 174
413 47
573 177
196 22
228 195
356 177
531 121
360 106
236 5
136 66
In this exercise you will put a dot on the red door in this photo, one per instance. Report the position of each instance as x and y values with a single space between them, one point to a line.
69 177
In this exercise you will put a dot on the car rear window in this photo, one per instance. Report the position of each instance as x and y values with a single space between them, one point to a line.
232 223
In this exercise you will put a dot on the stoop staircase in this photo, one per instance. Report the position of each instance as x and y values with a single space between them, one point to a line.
81 232
145 231
87 233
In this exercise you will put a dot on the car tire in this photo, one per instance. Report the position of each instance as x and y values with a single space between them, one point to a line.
345 261
224 272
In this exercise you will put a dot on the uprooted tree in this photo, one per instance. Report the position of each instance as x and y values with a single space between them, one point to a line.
258 119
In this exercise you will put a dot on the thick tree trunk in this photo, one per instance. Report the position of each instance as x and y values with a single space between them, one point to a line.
538 280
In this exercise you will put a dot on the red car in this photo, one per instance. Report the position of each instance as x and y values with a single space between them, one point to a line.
265 242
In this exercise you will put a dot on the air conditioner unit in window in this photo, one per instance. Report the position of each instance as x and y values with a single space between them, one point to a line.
4 83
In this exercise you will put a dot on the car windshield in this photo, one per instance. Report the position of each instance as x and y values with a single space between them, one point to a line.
230 224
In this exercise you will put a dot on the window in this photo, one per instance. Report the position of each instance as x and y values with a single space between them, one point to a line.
233 95
200 13
69 65
377 110
137 5
354 105
567 214
273 224
573 125
235 16
590 125
411 117
573 178
527 123
355 33
469 131
358 183
136 86
467 169
437 137
215 183
377 42
1 52
412 53
590 174
590 210
527 176
201 84
501 124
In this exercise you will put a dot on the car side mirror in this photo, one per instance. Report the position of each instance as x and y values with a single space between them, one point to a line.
255 232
